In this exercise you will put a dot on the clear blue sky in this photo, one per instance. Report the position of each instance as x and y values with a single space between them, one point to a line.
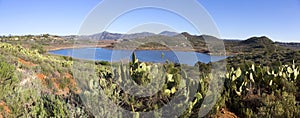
235 19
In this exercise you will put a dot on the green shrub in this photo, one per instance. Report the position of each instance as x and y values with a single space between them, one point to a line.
39 47
8 81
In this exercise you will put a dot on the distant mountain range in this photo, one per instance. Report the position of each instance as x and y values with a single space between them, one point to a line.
200 38
168 33
116 36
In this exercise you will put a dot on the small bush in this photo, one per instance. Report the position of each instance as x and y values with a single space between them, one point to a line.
39 48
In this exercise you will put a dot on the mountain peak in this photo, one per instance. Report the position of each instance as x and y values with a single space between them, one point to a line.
259 40
168 33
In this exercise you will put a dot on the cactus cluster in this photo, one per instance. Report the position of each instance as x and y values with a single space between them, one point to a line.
249 90
260 83
256 77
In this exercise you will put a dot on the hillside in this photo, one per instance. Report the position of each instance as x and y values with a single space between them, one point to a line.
248 46
106 39
34 84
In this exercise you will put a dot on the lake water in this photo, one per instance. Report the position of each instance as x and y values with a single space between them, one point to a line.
156 56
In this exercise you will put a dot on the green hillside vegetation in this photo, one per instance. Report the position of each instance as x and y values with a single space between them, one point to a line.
248 46
183 41
49 42
259 82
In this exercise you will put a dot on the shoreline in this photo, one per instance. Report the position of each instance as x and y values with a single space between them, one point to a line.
76 47
110 46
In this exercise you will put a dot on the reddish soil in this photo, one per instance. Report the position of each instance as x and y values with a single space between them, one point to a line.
58 90
27 63
99 44
224 113
73 83
71 86
5 111
41 76
68 75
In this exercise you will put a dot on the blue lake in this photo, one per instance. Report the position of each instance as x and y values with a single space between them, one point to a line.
156 56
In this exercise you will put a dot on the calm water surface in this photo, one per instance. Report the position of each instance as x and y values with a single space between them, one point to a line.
156 56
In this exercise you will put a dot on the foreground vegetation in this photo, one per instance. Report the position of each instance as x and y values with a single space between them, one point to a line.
35 84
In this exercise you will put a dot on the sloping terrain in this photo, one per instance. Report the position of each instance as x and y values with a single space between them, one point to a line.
259 82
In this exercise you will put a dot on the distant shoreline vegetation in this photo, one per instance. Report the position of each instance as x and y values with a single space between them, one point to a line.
110 40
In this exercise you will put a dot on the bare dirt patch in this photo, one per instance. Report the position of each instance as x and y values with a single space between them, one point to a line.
224 113
27 63
5 110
